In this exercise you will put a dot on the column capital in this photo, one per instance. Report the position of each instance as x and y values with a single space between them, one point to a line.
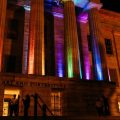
85 4
57 12
95 1
91 5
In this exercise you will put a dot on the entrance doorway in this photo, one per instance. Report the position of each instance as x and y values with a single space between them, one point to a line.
8 94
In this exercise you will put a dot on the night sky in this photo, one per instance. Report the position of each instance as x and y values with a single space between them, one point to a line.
113 5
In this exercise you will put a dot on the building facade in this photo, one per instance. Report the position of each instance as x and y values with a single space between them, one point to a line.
65 51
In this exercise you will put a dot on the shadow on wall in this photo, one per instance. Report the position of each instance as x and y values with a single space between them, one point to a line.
81 100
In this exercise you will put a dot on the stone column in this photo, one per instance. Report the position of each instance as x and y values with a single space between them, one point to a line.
25 42
71 40
59 41
36 63
95 39
3 4
83 43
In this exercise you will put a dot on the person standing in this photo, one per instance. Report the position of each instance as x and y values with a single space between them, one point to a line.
44 108
106 105
99 106
13 106
26 103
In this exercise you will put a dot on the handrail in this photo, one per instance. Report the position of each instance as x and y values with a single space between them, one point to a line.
36 102
46 105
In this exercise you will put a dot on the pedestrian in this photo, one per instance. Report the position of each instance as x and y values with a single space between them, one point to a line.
13 106
26 103
44 107
99 106
106 105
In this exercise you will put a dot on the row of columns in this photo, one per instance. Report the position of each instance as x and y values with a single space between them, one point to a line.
36 58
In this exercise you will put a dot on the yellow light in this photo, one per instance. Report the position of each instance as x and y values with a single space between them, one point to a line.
11 92
43 58
56 103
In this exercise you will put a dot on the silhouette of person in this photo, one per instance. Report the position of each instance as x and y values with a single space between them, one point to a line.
17 105
13 106
106 105
44 107
26 103
99 106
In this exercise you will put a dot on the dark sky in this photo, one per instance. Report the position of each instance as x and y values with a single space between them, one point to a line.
113 5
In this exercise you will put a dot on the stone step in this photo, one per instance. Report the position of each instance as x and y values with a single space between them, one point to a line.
62 118
93 118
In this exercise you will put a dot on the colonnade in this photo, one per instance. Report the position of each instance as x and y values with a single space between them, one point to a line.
36 54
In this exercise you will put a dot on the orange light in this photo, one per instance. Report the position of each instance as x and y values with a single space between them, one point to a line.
31 57
31 49
1 47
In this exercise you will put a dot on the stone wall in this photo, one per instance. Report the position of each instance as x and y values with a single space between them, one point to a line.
77 96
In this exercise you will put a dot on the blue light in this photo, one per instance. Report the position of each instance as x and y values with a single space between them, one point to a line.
26 7
60 70
81 3
97 60
99 72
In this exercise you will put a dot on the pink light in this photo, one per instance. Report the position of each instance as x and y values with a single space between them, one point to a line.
87 70
109 75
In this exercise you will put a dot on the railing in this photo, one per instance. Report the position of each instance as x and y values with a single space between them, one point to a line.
44 108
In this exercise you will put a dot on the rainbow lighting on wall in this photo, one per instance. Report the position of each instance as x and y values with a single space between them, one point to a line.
85 4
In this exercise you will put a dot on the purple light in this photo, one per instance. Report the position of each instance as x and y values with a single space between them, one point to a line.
59 42
87 71
83 17
59 56
85 53
59 15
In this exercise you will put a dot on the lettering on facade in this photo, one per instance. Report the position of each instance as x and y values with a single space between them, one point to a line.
31 84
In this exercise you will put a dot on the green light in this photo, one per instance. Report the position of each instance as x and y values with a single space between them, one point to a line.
69 61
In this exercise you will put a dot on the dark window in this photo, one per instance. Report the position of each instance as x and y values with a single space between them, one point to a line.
10 63
108 44
13 24
12 29
113 75
12 35
89 42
